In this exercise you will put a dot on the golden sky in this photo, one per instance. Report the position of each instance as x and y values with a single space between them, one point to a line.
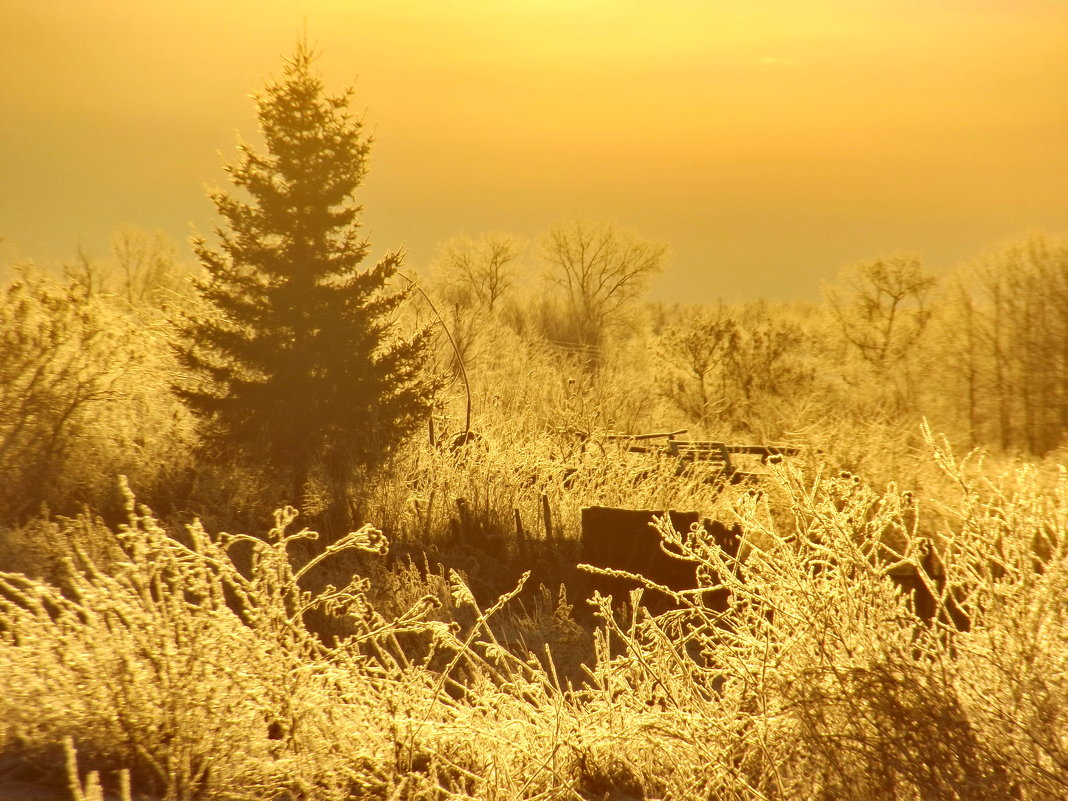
767 142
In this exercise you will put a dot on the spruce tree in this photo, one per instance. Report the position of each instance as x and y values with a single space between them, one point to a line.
296 364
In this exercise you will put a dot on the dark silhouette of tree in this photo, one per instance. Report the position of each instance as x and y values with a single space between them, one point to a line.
695 350
473 279
148 265
883 308
601 270
297 365
477 274
1007 346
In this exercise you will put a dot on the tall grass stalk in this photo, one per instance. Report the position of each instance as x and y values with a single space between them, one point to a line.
186 661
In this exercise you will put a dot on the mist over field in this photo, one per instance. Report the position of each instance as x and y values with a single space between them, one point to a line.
679 412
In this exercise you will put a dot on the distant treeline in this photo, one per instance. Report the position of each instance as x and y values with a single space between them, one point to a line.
982 353
557 335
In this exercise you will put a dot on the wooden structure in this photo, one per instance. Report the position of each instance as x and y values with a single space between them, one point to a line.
720 459
627 540
919 587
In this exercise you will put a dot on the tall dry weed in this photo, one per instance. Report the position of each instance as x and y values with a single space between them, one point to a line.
822 677
823 680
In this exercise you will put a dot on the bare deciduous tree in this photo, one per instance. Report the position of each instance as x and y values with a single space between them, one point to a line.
147 265
93 276
473 278
695 350
601 269
477 273
884 307
771 359
1009 344
746 364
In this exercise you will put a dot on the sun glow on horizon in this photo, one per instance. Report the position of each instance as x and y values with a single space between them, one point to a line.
769 139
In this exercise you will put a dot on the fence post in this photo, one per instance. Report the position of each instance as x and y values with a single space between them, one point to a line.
520 535
464 513
547 516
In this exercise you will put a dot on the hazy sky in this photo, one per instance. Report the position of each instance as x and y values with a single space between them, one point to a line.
767 142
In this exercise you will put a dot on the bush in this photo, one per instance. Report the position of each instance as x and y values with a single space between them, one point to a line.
83 398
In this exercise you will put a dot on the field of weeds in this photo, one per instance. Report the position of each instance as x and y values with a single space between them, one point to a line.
892 626
182 664
304 521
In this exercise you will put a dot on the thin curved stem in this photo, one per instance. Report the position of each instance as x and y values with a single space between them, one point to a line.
455 348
